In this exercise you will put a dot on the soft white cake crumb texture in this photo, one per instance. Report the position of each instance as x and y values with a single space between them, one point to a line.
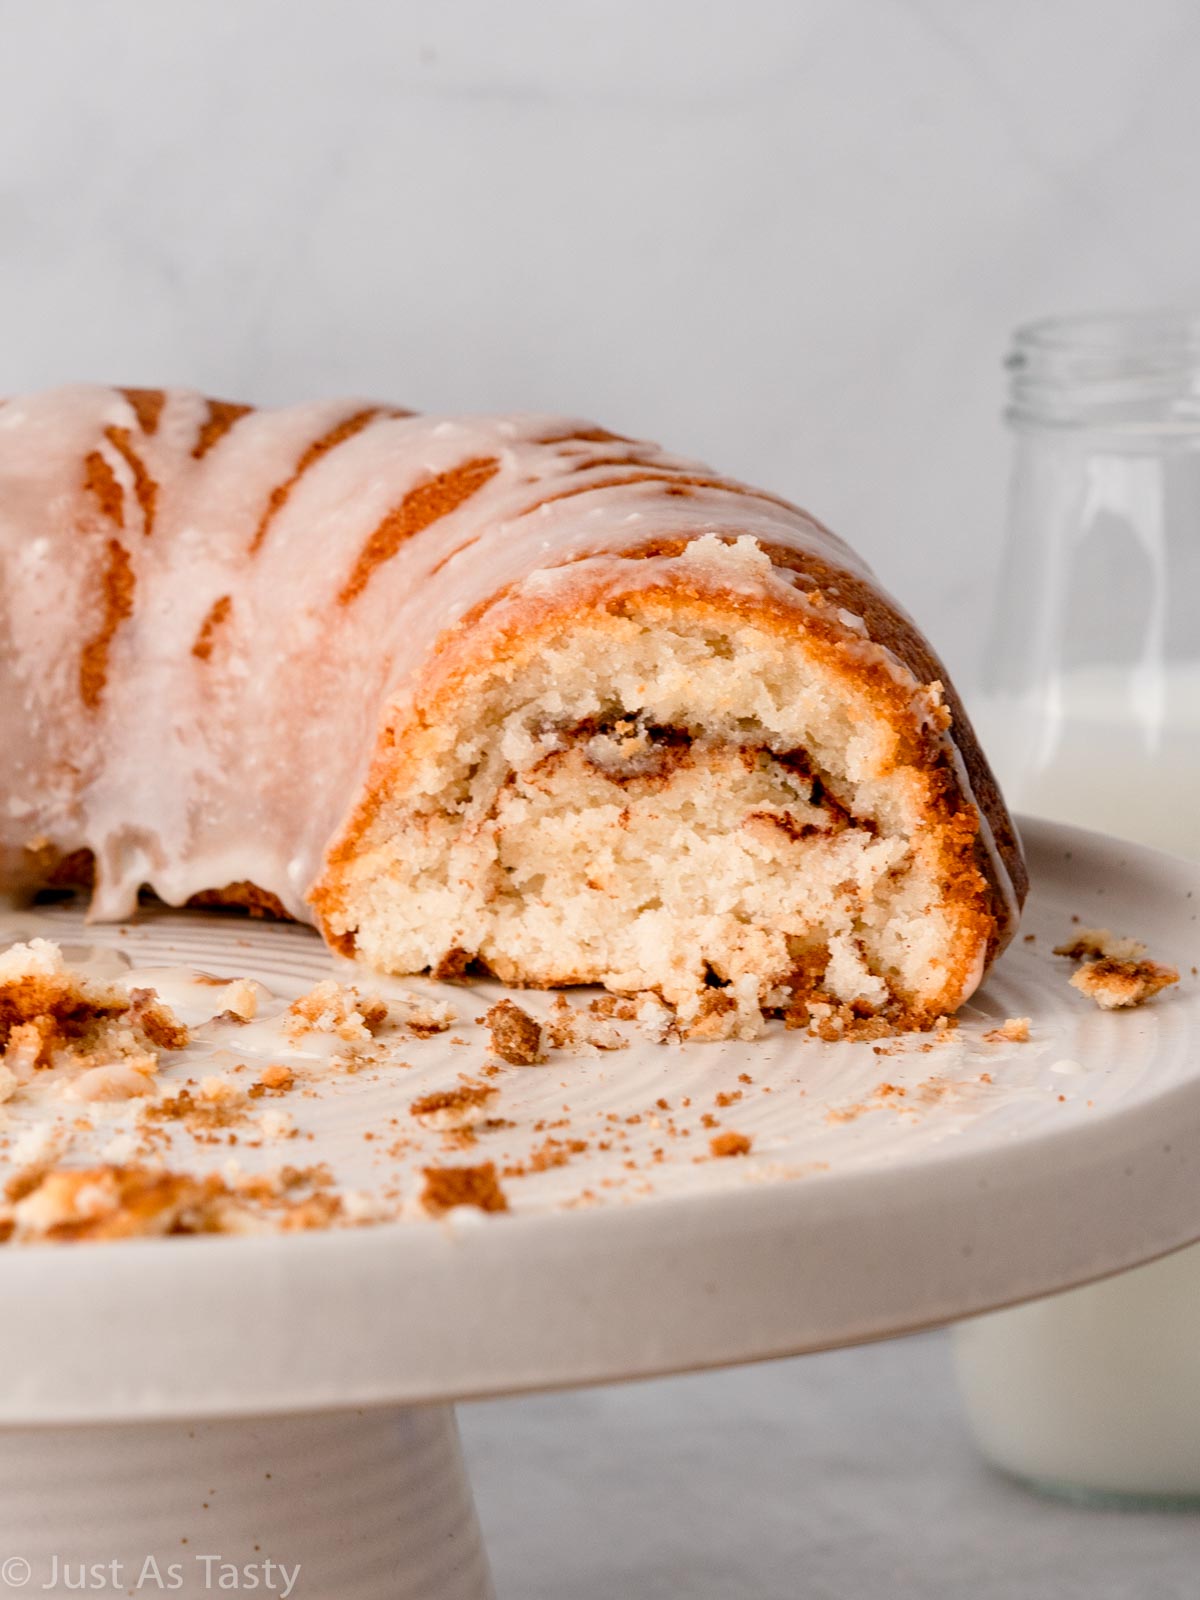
40 958
634 805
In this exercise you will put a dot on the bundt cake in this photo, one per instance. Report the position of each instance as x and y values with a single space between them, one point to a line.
506 694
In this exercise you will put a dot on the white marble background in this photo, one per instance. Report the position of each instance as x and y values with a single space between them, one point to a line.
787 235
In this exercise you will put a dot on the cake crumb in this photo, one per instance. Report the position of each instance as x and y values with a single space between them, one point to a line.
447 1187
1014 1030
1115 985
516 1036
454 1108
656 1019
590 1030
730 1144
717 1017
239 997
52 1016
111 1202
276 1123
339 1009
422 1017
1097 944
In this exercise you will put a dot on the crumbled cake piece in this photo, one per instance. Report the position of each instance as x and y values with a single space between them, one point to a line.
730 1144
65 1205
447 1187
516 1036
727 1012
568 1029
1114 972
1114 985
1095 944
275 1123
200 1115
36 1148
1014 1030
456 966
421 1016
218 1091
238 998
654 1017
147 1014
460 1107
854 1022
111 1202
620 1006
277 1078
54 1017
340 1009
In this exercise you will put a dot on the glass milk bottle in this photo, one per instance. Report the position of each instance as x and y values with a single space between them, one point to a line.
1090 712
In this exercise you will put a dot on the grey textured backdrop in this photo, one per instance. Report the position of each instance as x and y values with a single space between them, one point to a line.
838 1477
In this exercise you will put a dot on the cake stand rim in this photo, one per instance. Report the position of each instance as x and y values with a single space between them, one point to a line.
404 1314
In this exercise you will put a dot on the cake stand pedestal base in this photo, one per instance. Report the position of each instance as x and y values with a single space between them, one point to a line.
327 1505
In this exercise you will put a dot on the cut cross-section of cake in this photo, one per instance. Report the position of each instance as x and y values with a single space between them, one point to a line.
682 772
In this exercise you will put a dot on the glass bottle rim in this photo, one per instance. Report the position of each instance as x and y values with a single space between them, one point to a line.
1135 373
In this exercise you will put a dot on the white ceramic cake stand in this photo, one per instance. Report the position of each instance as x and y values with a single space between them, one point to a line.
191 1409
